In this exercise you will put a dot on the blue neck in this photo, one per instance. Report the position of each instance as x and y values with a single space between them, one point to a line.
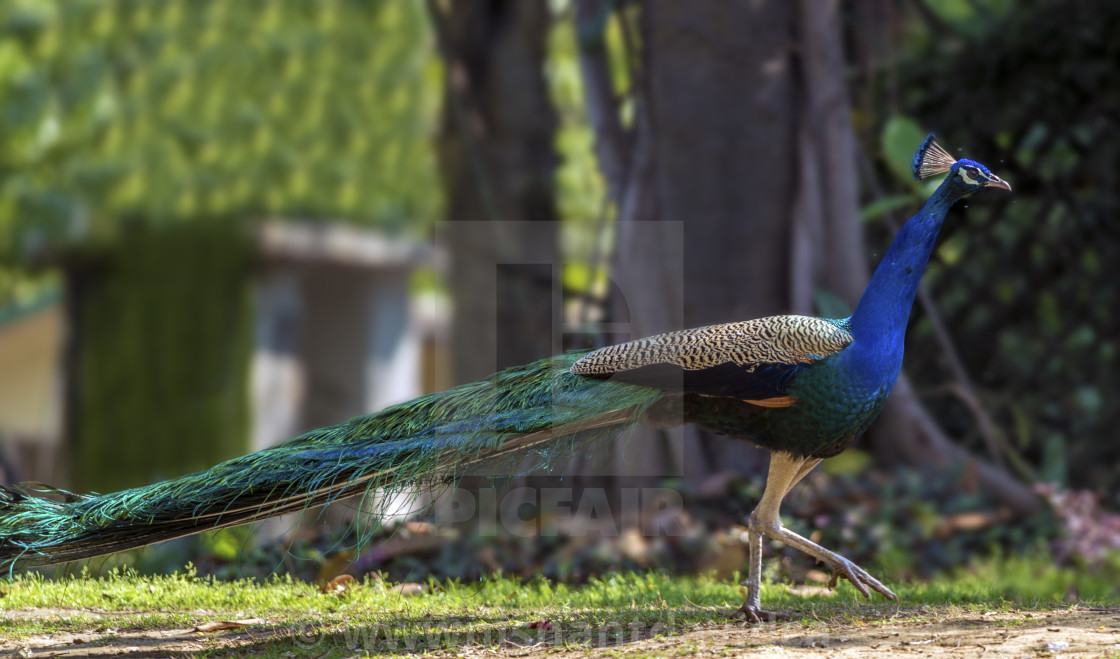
879 322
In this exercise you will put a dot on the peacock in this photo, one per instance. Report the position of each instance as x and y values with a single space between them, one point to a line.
800 386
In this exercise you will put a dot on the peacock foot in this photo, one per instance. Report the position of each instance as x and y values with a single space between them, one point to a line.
858 576
756 615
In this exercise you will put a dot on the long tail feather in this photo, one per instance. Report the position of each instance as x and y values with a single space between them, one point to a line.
527 415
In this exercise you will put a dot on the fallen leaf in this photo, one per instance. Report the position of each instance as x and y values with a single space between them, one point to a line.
408 589
218 625
339 585
811 591
541 624
420 528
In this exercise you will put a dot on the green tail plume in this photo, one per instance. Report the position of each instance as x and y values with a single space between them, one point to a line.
527 416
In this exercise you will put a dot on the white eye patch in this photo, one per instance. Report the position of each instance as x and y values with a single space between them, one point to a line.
967 177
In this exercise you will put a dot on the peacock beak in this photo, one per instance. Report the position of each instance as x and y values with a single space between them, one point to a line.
996 182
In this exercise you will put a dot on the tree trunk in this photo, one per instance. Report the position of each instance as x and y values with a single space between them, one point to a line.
497 161
712 158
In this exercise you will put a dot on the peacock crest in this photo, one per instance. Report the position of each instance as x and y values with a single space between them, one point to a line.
931 159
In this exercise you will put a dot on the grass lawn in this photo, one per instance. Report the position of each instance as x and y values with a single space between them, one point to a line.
616 615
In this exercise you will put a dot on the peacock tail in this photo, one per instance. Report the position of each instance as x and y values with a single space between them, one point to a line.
526 417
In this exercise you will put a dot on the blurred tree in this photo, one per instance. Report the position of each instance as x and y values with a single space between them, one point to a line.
498 165
192 118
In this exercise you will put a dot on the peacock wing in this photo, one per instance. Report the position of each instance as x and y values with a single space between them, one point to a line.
750 360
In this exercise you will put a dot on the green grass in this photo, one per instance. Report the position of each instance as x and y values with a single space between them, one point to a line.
300 621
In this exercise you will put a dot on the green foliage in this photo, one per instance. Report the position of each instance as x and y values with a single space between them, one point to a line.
897 140
183 109
900 135
1030 289
226 544
20 292
164 361
958 18
877 208
582 198
580 187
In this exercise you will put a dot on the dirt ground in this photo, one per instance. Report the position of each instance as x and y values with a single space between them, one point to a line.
1075 632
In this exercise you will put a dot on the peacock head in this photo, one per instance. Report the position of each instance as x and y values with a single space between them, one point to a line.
965 176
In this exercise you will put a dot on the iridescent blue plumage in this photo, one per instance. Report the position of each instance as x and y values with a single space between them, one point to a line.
802 387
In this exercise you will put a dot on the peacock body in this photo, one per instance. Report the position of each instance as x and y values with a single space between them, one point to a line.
802 387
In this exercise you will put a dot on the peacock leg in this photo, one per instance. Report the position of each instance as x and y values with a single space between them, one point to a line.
752 607
766 518
840 566
785 471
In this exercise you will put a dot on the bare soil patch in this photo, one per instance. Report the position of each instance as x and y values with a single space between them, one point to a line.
921 632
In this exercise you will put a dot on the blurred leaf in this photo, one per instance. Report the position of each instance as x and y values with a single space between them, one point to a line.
884 205
829 304
1049 314
1055 468
927 187
851 462
580 277
900 138
225 544
1023 423
1090 400
952 250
